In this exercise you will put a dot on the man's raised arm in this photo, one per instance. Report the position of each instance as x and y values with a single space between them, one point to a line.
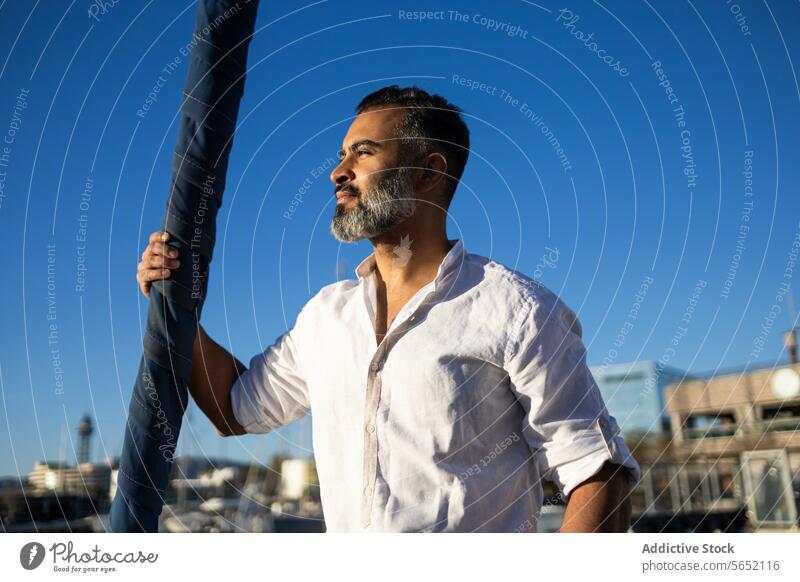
214 369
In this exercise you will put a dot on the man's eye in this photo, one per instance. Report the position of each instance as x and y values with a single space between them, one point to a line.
361 152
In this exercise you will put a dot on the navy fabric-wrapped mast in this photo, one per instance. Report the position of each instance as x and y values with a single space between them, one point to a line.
214 88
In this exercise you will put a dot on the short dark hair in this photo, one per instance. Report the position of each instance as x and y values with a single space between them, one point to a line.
431 123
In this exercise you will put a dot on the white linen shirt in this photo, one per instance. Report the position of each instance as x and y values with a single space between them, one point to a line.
479 390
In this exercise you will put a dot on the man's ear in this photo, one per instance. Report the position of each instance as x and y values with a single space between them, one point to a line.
434 172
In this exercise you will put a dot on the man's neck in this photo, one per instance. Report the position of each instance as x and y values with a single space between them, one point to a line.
408 259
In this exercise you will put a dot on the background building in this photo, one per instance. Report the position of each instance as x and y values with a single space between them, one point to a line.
736 439
634 394
84 479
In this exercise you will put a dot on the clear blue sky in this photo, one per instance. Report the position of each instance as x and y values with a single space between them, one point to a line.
631 197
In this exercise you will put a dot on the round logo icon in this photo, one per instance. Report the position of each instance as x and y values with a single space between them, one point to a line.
31 555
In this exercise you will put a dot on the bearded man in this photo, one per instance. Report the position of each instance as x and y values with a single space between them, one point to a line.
444 385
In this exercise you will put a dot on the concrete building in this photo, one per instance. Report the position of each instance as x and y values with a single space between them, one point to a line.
84 479
735 439
297 477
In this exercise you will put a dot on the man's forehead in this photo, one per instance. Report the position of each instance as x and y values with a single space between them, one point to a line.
374 124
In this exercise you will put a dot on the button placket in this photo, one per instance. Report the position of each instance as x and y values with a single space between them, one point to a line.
371 435
371 403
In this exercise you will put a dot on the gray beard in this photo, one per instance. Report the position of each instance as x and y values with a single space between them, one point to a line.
385 205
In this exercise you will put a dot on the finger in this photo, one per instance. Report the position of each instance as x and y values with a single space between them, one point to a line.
156 262
159 235
144 286
163 249
155 274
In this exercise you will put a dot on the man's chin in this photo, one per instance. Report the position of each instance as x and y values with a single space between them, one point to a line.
348 233
345 236
346 239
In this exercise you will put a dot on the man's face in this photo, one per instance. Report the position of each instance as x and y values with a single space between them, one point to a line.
373 185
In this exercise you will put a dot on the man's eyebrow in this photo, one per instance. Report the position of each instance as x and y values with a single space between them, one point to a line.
354 146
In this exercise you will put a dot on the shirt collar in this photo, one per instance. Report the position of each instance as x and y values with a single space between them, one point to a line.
451 261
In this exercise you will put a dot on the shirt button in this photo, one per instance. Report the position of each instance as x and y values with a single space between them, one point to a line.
370 428
368 491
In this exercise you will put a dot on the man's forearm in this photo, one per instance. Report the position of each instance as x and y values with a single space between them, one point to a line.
600 504
214 372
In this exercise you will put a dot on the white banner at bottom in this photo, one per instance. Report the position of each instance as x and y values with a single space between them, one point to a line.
390 557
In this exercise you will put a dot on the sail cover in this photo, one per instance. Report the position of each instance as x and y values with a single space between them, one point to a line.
214 88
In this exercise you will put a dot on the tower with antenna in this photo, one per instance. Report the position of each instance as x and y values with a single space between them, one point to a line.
85 430
790 336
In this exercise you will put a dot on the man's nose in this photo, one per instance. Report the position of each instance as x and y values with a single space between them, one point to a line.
342 173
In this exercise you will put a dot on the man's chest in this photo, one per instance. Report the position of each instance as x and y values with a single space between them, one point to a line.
388 306
437 361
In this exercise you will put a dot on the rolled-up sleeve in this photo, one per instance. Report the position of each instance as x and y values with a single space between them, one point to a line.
567 424
272 392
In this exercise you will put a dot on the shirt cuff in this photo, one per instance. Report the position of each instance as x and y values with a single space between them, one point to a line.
586 455
244 406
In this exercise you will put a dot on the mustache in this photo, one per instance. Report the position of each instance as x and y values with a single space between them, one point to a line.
347 188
